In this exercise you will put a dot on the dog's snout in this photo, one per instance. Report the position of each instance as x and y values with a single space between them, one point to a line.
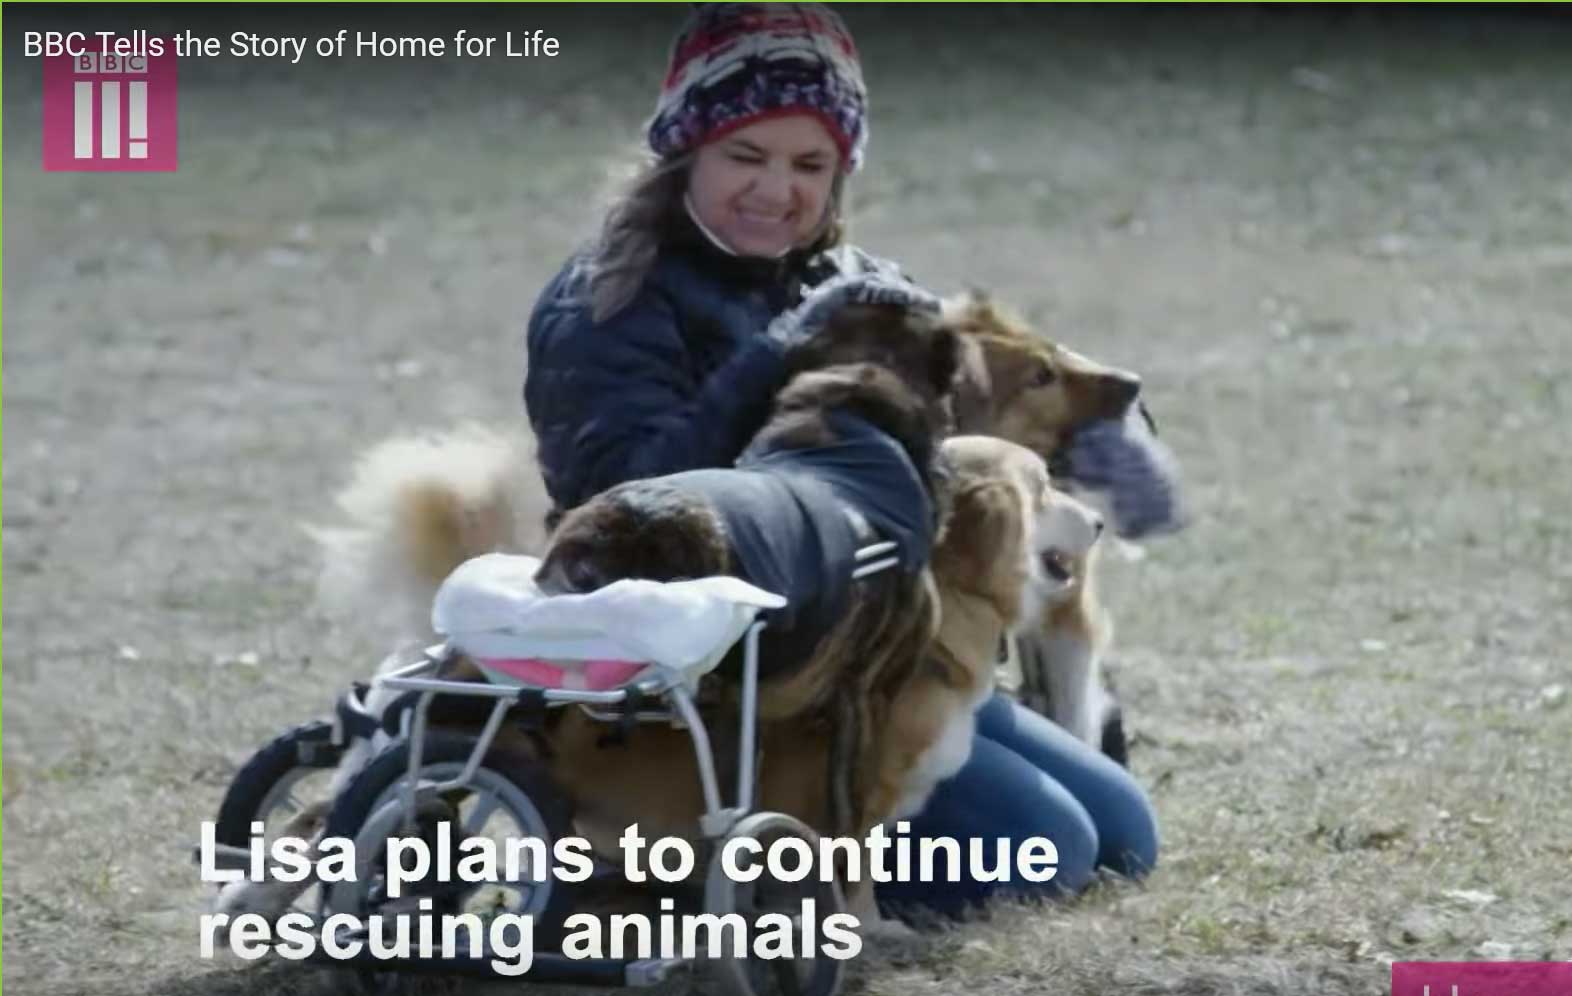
1123 389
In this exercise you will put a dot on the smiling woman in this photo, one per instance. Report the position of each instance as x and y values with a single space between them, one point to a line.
649 352
764 188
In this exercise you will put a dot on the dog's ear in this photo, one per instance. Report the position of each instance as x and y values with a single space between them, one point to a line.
985 537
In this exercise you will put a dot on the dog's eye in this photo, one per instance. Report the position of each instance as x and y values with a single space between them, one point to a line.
1044 376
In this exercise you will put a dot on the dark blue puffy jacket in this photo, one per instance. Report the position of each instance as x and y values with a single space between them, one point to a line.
679 379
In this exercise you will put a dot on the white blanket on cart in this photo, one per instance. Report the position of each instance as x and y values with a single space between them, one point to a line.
491 609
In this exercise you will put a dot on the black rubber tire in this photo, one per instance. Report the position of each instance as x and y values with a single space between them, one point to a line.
259 774
750 976
353 807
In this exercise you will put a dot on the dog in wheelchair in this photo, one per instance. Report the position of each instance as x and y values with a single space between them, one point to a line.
864 699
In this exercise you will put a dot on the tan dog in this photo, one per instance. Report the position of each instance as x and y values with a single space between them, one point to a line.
1012 544
1026 389
873 384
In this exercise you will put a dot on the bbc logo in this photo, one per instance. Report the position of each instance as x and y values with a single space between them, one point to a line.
106 96
107 64
1481 978
105 112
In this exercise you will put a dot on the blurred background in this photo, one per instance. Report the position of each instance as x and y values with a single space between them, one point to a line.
1336 243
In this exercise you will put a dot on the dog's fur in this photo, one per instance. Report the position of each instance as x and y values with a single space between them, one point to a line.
890 369
420 506
991 574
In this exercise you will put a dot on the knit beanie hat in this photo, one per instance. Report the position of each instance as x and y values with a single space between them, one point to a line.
736 63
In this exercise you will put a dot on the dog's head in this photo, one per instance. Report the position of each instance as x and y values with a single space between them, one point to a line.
895 368
1012 537
1018 386
641 529
918 351
1064 536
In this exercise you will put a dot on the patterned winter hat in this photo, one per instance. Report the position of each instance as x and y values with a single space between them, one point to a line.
736 63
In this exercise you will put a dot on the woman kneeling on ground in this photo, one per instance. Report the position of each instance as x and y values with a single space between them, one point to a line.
657 349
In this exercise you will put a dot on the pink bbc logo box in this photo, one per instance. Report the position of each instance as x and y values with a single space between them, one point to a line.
1482 978
110 113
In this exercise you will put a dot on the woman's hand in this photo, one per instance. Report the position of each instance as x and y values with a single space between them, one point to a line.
824 301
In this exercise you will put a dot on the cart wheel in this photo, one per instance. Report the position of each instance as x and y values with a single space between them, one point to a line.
276 785
818 975
509 798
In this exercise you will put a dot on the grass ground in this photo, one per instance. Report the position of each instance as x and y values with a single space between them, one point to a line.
1335 244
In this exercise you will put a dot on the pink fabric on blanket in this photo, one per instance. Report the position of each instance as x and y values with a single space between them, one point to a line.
591 675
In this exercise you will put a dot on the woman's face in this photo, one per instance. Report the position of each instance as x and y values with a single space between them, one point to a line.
763 188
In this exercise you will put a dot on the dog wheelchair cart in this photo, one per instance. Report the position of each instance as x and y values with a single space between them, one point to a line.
613 653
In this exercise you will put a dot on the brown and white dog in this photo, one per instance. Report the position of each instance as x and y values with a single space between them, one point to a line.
1007 546
848 457
1036 393
1013 545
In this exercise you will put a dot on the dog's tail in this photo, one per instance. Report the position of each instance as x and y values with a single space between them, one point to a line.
418 506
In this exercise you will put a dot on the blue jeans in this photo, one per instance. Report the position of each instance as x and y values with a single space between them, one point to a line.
1028 777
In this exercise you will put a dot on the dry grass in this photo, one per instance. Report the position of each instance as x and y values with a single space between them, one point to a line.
1336 248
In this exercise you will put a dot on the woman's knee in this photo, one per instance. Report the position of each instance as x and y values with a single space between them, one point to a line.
1077 844
1120 809
1127 824
998 796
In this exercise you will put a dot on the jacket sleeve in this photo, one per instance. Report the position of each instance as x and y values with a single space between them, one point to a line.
617 400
